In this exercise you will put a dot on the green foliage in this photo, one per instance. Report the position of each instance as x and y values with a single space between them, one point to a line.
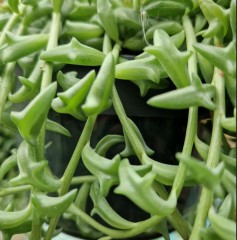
184 54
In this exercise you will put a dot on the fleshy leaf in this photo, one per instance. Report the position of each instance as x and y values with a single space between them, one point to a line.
33 172
217 18
30 86
210 178
222 226
13 4
203 149
145 197
195 95
106 170
172 60
223 58
139 69
98 98
57 4
70 101
67 80
107 18
13 219
165 173
82 30
74 53
128 151
21 46
107 142
105 211
52 206
56 127
30 120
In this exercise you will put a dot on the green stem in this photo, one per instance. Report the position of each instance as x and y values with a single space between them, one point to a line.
137 5
5 85
117 234
36 226
118 106
193 111
176 218
206 197
82 179
47 75
8 27
70 170
14 190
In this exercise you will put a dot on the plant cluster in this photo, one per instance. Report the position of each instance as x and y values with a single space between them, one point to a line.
189 44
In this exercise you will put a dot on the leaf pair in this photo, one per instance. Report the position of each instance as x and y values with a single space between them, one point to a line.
33 172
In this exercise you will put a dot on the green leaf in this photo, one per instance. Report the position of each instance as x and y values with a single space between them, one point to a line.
145 197
203 149
171 27
14 5
223 58
21 46
172 60
56 127
32 171
210 178
74 53
30 86
52 206
82 30
70 101
30 120
14 219
222 226
57 4
105 211
165 173
7 165
106 170
233 17
107 18
165 9
217 18
196 95
139 69
107 142
128 151
98 98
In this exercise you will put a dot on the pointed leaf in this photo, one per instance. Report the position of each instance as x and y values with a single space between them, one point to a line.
56 127
106 170
145 197
222 226
98 98
139 69
223 58
107 18
172 60
13 219
74 53
185 97
105 211
107 142
70 101
67 80
165 173
52 206
217 18
30 120
210 178
22 46
128 151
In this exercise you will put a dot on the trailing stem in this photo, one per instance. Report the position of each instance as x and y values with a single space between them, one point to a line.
70 170
206 197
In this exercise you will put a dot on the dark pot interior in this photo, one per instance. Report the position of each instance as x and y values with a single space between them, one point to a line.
156 125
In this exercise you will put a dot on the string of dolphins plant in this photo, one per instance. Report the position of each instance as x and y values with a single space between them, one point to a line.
190 44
